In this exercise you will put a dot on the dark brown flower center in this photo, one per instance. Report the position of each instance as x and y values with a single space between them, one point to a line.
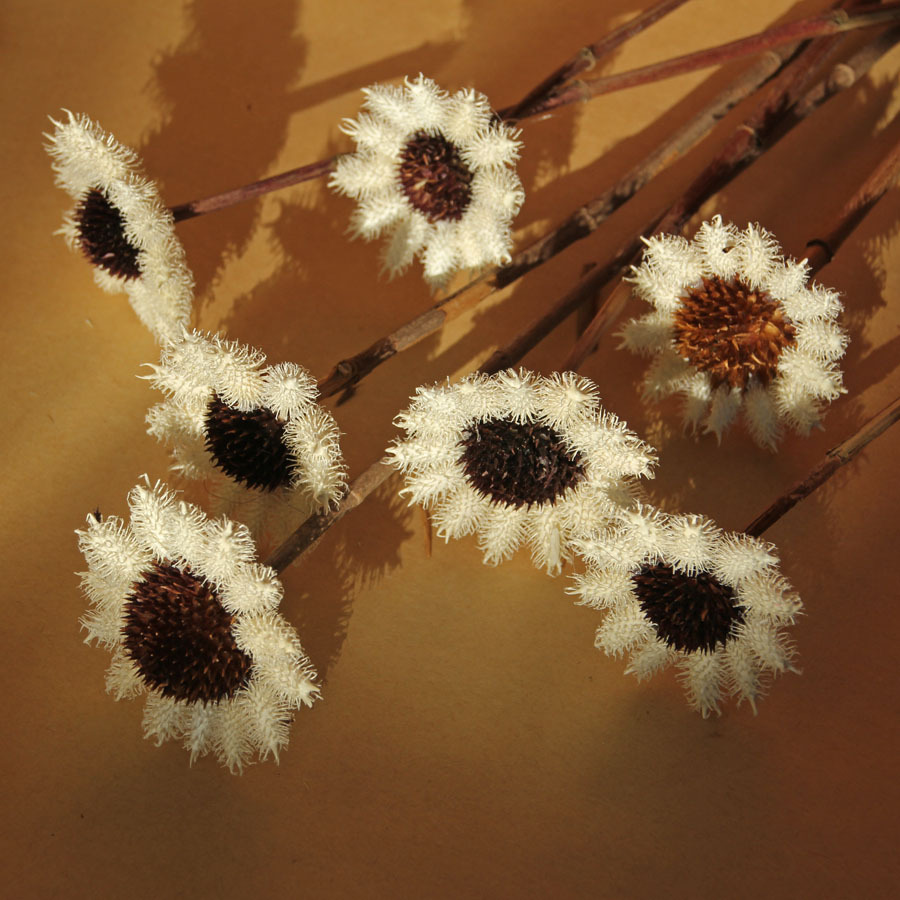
518 463
179 635
690 612
732 332
101 234
434 178
248 446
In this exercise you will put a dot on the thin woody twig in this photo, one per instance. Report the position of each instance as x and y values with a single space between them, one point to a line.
251 191
820 251
835 458
586 289
748 142
311 531
829 23
763 131
586 58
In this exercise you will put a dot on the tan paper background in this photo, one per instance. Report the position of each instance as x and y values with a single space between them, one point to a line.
472 742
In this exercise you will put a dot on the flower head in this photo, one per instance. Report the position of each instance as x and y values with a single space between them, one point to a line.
518 457
254 431
435 171
121 225
735 326
191 621
678 590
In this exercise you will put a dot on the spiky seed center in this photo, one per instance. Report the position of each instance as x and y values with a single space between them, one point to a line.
248 446
179 635
434 177
732 331
101 234
690 612
518 463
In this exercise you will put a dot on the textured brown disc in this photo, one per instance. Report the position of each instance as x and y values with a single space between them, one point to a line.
518 464
248 446
732 332
434 178
101 234
689 612
179 635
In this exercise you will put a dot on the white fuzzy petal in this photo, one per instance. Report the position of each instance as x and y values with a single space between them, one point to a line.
623 629
501 533
691 543
723 409
702 676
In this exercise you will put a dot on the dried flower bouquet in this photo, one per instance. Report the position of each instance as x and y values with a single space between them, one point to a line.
511 456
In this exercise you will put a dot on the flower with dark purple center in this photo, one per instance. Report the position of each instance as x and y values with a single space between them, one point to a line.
102 238
436 172
518 463
690 612
434 178
179 636
191 620
248 446
676 590
120 224
253 432
518 458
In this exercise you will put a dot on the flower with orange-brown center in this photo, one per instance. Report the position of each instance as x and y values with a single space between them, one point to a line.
736 327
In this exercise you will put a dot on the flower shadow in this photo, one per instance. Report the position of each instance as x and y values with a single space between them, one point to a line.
226 108
363 548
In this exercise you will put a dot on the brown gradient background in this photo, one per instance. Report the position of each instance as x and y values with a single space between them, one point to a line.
472 742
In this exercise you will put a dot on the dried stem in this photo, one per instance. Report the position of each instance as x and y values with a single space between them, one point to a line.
820 251
582 222
835 458
583 292
769 123
250 191
829 23
311 531
586 58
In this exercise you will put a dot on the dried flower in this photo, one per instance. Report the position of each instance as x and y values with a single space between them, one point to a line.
736 326
121 225
678 590
518 457
254 431
190 619
436 171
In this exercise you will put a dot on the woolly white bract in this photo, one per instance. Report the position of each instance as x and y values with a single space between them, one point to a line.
85 159
391 117
432 457
200 367
755 647
807 376
257 718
